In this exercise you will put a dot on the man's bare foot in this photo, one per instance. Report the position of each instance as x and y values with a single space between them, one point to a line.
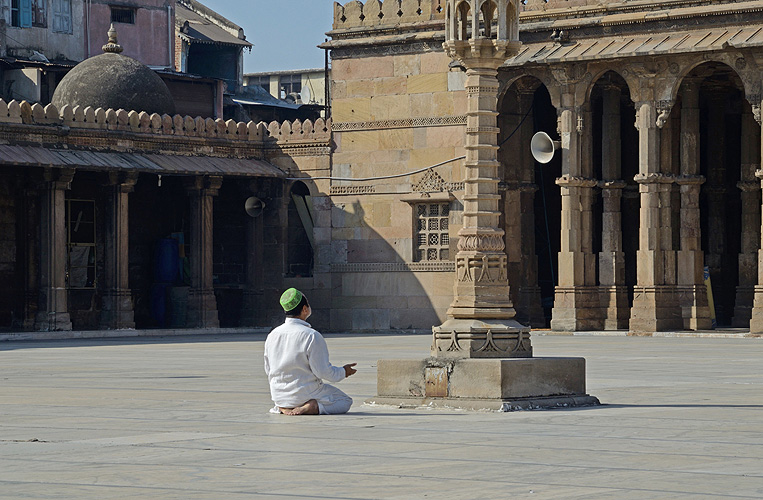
309 408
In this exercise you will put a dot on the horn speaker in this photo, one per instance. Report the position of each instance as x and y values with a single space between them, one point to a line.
254 206
543 147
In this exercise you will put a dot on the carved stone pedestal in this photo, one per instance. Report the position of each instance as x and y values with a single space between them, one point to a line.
483 384
576 308
473 338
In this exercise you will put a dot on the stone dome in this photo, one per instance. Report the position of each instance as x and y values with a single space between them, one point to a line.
111 80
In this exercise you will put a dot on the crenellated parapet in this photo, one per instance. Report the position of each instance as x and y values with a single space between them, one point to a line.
376 13
297 132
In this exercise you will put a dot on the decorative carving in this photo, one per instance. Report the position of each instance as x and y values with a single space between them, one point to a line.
498 343
432 182
481 243
663 111
481 268
345 190
435 121
654 178
572 181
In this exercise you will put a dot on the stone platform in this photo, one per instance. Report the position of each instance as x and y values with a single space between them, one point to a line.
496 384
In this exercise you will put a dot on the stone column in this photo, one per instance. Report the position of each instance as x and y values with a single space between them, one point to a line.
576 300
690 259
655 302
613 292
253 290
52 308
756 319
202 305
751 199
117 309
31 262
480 320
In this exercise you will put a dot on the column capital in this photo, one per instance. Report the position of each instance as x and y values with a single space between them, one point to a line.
690 180
210 184
654 178
57 178
124 180
748 186
571 181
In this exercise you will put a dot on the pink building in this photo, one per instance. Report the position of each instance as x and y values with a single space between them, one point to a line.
146 29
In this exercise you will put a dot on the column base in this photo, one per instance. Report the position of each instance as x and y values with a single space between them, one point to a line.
483 384
655 309
694 307
743 306
756 317
202 309
528 307
476 338
576 308
117 310
52 321
614 307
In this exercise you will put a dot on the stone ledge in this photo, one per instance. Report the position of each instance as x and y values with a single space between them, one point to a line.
550 403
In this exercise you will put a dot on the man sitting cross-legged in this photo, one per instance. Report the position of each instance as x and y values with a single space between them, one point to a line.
297 362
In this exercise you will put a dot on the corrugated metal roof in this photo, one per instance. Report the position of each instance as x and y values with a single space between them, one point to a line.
639 45
33 156
202 30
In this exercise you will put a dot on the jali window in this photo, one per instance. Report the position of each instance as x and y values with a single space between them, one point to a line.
432 238
80 231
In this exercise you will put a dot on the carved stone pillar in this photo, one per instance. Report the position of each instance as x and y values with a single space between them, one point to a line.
756 320
690 258
576 297
612 290
751 199
52 308
253 290
480 320
117 310
202 305
655 302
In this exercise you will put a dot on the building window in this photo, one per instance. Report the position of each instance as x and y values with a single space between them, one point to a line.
262 81
122 15
290 84
38 13
80 231
62 16
21 13
432 238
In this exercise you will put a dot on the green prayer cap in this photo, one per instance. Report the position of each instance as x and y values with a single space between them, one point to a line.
290 299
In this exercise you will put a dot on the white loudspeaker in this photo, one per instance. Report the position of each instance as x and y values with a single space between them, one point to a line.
254 206
543 147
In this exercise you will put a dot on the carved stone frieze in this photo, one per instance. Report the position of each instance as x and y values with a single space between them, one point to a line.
482 343
432 182
481 243
654 178
482 268
395 267
345 190
433 121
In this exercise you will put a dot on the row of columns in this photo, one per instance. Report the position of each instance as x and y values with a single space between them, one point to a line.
52 311
670 291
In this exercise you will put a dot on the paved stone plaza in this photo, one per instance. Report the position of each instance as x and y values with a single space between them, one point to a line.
187 418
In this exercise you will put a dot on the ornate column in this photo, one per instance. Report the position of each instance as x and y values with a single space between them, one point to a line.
576 297
202 305
756 319
480 320
690 258
253 291
117 309
52 308
613 292
655 302
751 199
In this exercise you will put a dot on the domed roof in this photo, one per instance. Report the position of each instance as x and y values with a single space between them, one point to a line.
111 80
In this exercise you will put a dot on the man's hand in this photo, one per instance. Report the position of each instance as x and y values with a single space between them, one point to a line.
349 370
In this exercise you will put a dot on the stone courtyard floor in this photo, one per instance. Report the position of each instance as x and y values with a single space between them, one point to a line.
187 418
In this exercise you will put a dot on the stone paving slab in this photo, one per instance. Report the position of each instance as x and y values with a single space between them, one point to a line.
186 418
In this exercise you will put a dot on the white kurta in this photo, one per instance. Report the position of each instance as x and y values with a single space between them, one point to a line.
297 362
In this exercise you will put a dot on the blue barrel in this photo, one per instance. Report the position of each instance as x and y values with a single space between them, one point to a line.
166 264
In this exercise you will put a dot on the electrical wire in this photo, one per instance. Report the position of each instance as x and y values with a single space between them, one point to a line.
406 174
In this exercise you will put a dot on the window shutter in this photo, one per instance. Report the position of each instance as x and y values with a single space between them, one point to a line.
57 24
25 13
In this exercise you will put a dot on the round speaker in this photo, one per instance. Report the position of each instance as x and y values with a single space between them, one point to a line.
254 206
543 147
